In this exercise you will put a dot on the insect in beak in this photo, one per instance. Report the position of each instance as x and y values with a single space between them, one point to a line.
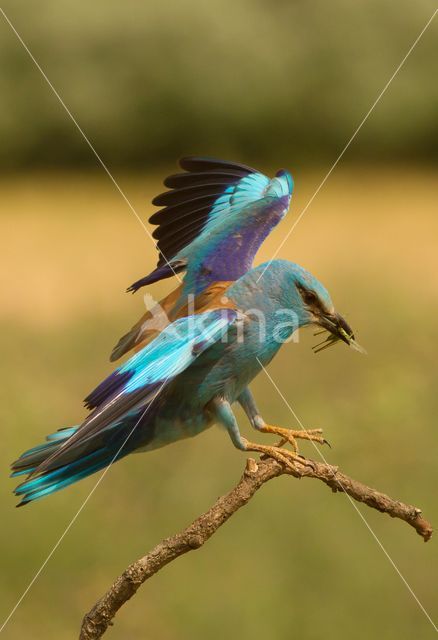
338 329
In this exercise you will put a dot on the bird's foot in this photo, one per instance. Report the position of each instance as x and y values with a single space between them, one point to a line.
283 456
291 435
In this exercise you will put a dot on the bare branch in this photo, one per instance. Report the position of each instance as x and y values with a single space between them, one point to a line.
256 474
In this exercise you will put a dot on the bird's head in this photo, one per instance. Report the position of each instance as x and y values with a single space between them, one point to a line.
316 307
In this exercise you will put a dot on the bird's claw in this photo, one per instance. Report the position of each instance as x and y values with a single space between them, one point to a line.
308 462
283 456
291 436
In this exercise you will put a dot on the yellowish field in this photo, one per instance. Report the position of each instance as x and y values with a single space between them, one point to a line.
297 560
71 244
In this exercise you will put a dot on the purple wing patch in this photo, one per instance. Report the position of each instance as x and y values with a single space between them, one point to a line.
234 254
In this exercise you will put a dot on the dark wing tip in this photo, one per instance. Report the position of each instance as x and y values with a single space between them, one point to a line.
205 163
186 207
223 176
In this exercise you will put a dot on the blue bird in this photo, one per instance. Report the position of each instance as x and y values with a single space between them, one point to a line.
215 216
187 378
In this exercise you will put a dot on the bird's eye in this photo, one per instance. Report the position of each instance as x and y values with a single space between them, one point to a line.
309 297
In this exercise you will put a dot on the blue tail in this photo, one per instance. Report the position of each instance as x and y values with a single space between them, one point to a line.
48 482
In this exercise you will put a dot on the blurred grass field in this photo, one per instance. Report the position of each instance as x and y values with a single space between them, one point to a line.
296 560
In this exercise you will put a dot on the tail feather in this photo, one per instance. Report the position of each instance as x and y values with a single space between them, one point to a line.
30 459
53 481
94 454
37 486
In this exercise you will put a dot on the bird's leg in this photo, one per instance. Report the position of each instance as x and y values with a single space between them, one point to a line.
223 414
247 402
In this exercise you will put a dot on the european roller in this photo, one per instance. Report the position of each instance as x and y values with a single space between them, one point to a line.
187 377
214 218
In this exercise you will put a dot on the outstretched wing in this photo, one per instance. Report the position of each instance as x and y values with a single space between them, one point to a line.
214 218
120 404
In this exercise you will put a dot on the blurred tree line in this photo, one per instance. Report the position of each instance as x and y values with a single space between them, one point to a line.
148 81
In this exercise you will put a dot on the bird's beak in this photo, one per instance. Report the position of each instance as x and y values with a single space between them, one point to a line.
338 329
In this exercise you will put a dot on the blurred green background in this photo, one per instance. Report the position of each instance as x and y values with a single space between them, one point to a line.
273 84
252 78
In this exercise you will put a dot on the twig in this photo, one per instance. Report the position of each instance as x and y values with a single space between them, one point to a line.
256 474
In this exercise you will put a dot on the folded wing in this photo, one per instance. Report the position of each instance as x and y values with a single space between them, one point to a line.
123 402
